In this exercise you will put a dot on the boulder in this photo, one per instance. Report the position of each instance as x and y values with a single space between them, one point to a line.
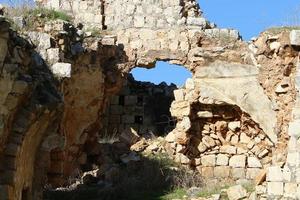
236 192
129 136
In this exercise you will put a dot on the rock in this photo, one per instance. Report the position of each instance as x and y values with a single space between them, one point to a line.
205 114
244 138
61 70
171 137
129 136
290 190
139 146
228 149
236 192
237 161
208 141
274 174
234 126
109 40
222 171
253 162
218 82
222 160
275 188
295 37
179 95
202 147
19 21
208 161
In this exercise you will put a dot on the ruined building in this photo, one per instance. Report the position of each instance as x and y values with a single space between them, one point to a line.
236 118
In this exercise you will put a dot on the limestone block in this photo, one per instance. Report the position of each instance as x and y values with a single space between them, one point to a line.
180 109
287 175
61 70
238 173
207 172
236 192
202 147
294 128
208 141
252 173
293 159
179 95
275 188
205 114
130 100
139 21
109 40
234 126
274 174
253 162
244 138
208 161
53 55
197 21
295 37
222 160
290 190
260 189
228 149
237 161
222 171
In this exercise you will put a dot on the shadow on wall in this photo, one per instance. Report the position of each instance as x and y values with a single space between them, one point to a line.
145 106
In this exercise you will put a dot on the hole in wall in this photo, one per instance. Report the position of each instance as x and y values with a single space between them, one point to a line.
144 102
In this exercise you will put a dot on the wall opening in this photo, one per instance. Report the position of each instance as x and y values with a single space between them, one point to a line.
144 102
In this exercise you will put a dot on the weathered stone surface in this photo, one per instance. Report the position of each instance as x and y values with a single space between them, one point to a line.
275 188
222 160
219 81
237 161
295 37
274 174
253 162
236 192
208 161
61 70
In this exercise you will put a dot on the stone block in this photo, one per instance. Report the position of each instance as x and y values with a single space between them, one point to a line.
207 172
130 100
275 188
236 192
294 128
252 173
222 160
179 95
293 159
228 149
61 70
116 109
238 173
295 37
208 161
253 162
237 161
234 126
290 190
260 189
274 174
222 171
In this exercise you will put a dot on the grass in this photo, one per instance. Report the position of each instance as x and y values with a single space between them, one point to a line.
48 14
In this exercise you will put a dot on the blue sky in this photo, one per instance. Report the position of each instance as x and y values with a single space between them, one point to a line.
250 17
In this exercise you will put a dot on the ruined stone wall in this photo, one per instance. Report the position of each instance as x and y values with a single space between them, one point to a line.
114 15
142 106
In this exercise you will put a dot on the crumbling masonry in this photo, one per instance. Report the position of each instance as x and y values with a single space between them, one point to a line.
234 117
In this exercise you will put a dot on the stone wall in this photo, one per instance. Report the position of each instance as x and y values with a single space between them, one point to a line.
155 14
142 106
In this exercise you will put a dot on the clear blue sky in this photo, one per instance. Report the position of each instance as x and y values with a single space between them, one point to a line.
250 17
